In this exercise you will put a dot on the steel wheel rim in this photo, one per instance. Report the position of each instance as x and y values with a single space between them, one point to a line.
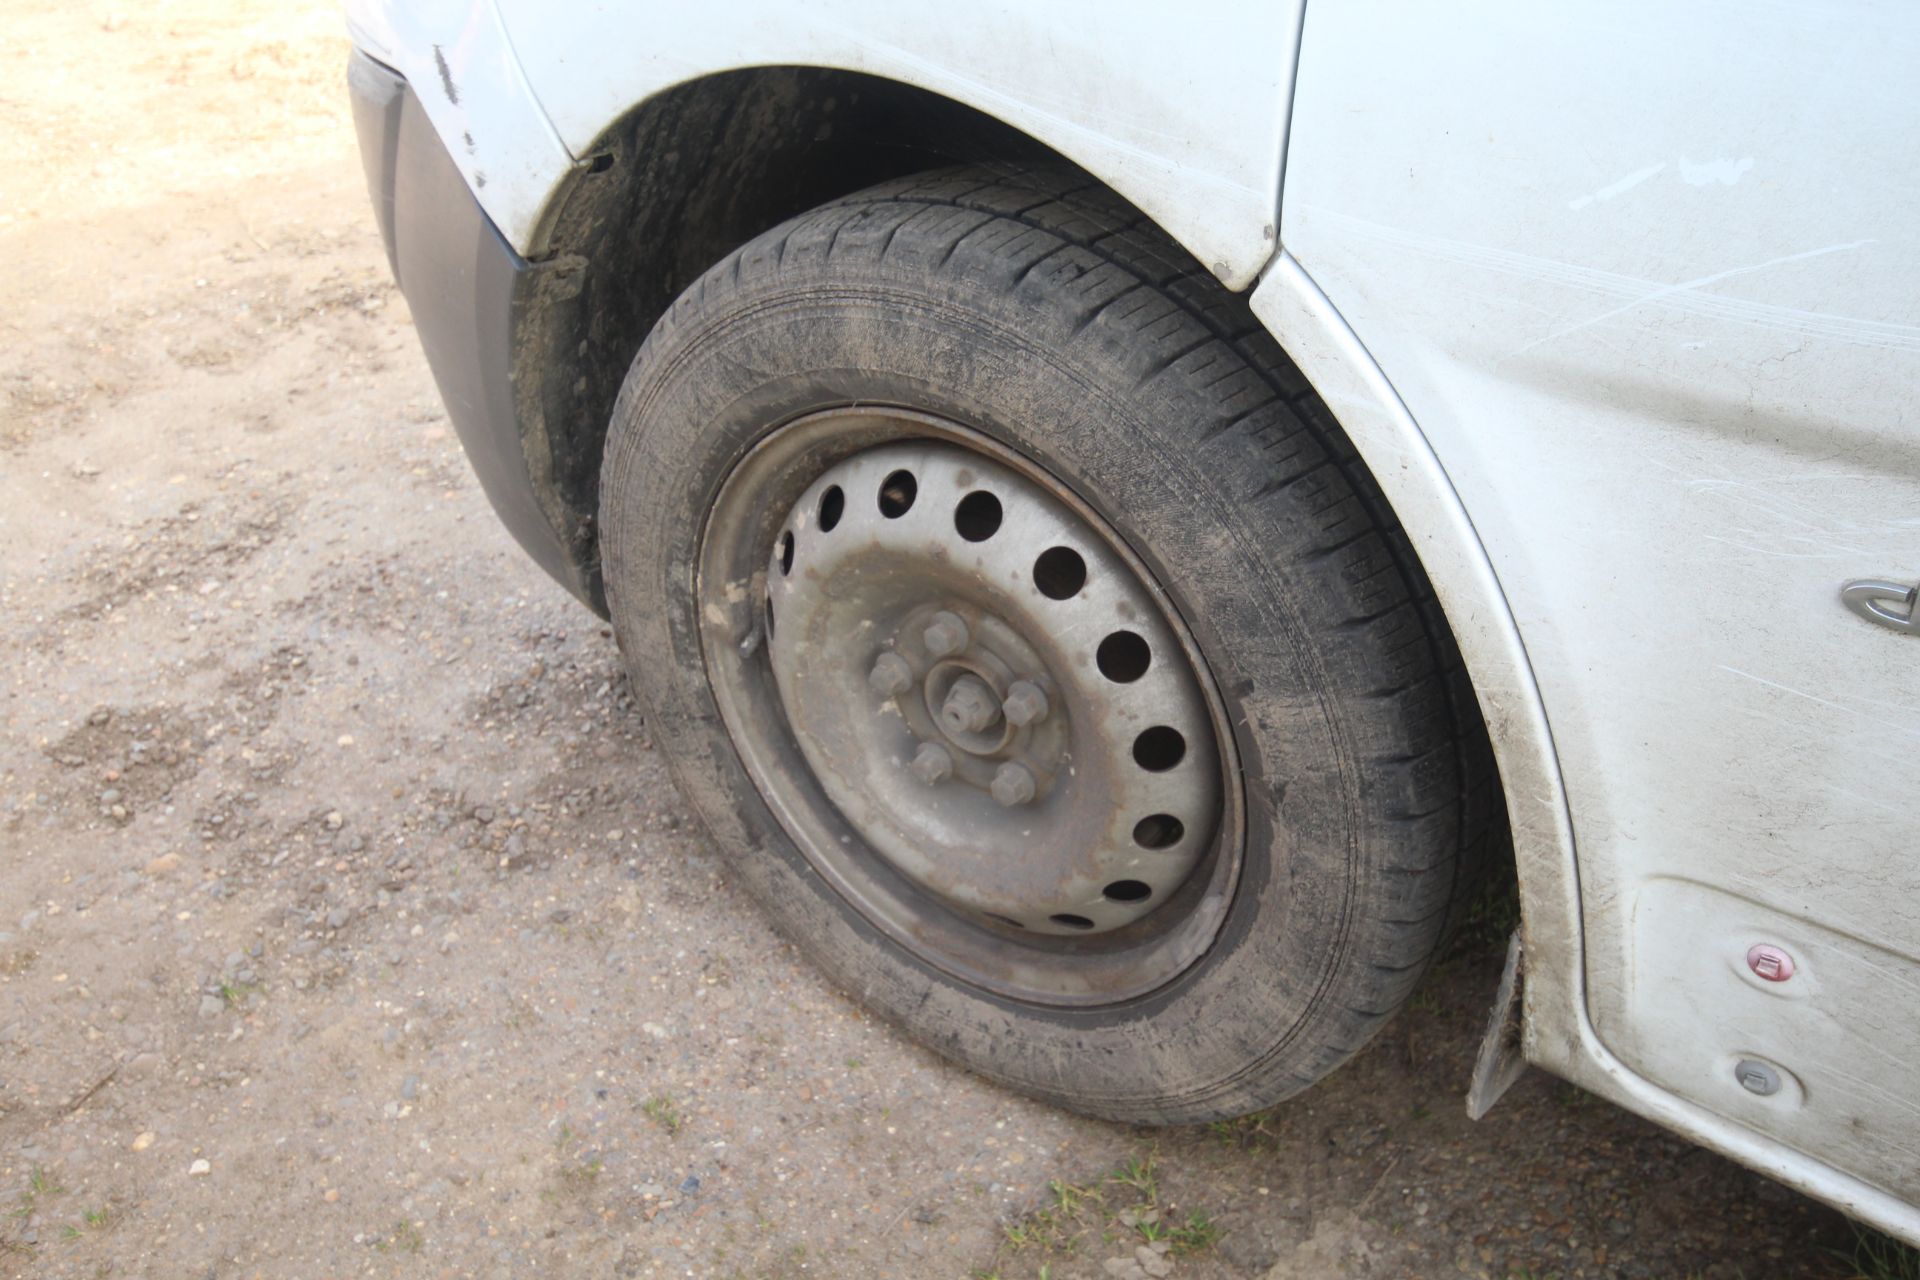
1104 872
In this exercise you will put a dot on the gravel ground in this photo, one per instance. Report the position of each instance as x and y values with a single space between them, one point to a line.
348 921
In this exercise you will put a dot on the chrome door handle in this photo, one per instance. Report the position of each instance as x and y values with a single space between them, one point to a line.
1890 604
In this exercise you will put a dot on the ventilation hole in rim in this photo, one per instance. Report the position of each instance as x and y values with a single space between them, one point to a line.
1158 831
1072 921
832 503
1009 921
769 615
1123 657
1159 749
1059 573
897 493
786 554
977 518
1127 891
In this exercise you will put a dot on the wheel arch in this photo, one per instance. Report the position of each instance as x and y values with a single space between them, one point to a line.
671 187
1341 370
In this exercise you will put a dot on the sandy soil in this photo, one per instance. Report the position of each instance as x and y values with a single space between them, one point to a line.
348 922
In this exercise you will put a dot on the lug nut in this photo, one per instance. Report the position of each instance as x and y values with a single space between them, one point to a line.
1026 702
1012 784
931 763
970 706
890 675
946 634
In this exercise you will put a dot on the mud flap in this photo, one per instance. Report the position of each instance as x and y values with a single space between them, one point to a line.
1501 1061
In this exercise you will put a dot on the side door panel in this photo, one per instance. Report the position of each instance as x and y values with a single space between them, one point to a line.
1648 278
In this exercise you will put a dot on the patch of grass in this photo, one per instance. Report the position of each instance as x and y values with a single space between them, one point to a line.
41 1185
663 1111
1247 1131
1425 1001
1197 1232
582 1174
1138 1174
402 1237
1121 1210
1877 1257
238 993
92 1220
1056 1225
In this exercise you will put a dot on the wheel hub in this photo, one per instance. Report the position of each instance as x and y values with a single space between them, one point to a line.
989 693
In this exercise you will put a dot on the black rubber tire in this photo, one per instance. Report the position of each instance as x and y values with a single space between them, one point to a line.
1032 305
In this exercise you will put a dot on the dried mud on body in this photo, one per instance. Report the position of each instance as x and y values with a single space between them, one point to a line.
350 923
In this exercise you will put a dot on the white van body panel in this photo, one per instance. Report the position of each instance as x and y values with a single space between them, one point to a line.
1648 279
1186 119
458 58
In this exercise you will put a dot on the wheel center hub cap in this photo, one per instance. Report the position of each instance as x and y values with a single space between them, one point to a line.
988 692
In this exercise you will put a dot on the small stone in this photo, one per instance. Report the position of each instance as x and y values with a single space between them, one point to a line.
142 1142
334 820
110 797
1152 1263
212 1006
338 917
164 865
410 1088
199 1169
332 1195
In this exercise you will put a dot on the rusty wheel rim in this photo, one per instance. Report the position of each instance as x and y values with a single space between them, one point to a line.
970 706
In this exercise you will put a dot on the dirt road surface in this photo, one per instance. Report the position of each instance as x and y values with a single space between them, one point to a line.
348 922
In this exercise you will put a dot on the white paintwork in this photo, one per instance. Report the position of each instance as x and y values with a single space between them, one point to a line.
481 107
1618 301
1187 119
1646 277
1559 1035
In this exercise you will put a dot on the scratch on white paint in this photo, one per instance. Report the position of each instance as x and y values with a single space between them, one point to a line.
1688 286
1724 172
1621 187
1686 299
1905 730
